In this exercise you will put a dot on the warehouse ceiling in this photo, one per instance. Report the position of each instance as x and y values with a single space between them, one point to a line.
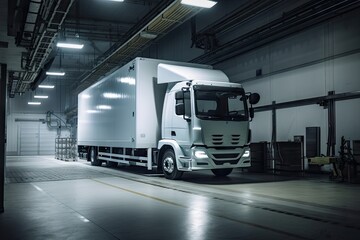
112 33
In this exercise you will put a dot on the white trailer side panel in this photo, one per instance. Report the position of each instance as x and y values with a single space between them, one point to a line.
106 111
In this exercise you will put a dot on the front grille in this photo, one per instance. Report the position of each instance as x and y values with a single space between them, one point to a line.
235 139
217 139
226 155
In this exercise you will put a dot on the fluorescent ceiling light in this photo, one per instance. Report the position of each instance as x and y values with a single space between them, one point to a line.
148 35
117 0
40 96
34 103
199 3
46 86
69 45
55 73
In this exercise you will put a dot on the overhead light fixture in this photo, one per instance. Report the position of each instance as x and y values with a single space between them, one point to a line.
117 0
46 86
148 35
69 45
55 73
199 3
34 103
41 96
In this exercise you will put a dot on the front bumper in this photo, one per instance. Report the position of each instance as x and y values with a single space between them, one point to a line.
210 158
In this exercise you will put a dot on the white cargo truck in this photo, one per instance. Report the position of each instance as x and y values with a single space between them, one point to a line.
175 116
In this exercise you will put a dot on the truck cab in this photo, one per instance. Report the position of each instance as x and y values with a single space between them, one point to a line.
205 125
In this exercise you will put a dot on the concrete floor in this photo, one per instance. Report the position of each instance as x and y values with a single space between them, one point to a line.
51 199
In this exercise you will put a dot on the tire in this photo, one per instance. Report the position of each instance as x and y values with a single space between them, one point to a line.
222 172
93 157
111 164
169 166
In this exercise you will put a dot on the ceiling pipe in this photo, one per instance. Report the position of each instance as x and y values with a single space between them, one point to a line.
53 14
42 74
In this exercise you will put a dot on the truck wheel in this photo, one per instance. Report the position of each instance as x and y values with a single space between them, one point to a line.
222 172
94 158
169 165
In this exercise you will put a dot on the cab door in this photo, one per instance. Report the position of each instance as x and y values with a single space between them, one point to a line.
175 126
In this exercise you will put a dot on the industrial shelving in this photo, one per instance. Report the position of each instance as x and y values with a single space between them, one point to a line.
66 149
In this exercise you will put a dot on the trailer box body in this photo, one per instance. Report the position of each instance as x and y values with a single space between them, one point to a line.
124 109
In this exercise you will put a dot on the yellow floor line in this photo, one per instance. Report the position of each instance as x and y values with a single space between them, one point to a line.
138 193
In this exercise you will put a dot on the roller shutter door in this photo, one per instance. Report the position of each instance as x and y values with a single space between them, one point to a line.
36 139
29 138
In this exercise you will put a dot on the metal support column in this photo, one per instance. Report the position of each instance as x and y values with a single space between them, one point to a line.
2 133
274 133
330 151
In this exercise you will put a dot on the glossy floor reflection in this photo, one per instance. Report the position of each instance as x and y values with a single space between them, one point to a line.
85 202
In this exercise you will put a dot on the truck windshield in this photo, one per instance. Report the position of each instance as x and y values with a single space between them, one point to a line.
220 103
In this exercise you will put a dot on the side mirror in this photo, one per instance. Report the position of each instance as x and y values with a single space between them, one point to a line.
182 106
254 98
179 95
180 109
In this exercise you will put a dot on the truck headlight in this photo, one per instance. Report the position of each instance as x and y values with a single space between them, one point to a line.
200 154
246 154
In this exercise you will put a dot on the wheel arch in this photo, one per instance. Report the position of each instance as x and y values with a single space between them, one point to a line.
165 145
160 156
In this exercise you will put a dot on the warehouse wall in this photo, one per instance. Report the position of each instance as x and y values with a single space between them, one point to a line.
23 122
307 64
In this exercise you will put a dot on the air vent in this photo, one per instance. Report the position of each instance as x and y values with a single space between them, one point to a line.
226 161
235 139
226 155
217 139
